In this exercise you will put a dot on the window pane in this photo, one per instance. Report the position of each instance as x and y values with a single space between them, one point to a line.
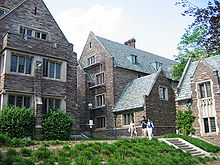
21 64
202 90
212 124
44 106
22 30
206 125
28 65
51 70
57 104
1 12
37 34
45 68
19 101
11 100
29 32
14 60
58 68
208 89
51 104
44 36
26 102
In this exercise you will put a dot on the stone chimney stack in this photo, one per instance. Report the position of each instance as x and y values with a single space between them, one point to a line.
130 42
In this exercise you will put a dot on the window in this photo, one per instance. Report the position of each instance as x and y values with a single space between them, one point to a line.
2 62
127 118
51 69
134 59
101 122
209 124
21 64
100 78
204 90
163 93
158 65
33 33
19 101
50 103
2 12
91 60
100 100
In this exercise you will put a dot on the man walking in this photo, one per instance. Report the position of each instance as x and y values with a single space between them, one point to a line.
144 127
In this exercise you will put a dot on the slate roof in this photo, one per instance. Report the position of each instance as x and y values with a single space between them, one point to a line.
185 91
132 96
146 60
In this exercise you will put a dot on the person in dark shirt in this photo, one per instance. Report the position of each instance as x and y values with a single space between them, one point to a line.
144 127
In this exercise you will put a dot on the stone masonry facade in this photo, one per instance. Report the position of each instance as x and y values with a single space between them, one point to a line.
48 44
115 80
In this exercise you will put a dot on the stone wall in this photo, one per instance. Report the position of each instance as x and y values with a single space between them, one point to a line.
204 73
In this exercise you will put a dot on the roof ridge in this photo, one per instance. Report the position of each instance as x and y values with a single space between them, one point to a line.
16 6
135 48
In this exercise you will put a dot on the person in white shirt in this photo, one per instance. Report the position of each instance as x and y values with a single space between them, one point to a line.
133 129
150 127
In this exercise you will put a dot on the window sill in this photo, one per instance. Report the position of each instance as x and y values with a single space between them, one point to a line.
53 79
16 73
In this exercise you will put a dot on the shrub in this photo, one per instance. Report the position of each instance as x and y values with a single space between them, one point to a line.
25 152
17 122
43 153
57 125
15 142
184 121
4 140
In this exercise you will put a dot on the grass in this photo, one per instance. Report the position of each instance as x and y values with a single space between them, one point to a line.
197 142
122 152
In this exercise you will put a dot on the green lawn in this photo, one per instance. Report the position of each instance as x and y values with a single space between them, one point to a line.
129 152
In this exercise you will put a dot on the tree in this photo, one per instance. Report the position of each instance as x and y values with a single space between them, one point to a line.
208 18
201 38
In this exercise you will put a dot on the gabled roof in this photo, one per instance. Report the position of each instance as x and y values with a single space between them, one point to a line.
146 60
185 91
133 95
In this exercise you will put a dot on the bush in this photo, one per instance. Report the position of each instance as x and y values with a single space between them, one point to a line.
25 152
197 142
15 142
184 121
4 140
17 122
43 153
57 125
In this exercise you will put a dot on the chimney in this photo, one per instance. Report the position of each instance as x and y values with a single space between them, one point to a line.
130 42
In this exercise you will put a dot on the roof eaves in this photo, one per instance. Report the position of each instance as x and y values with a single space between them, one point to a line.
154 81
122 110
184 72
186 98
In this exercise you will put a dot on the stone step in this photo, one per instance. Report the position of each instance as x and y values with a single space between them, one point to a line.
198 154
182 145
186 148
190 150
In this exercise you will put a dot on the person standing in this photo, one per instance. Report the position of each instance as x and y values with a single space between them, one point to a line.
144 127
150 127
133 129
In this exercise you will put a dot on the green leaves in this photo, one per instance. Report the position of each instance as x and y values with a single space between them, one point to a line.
17 122
184 121
57 125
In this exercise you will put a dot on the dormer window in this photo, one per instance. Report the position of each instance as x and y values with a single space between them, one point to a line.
91 60
2 12
33 33
134 59
158 65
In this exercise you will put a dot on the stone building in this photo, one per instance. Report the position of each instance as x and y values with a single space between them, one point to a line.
106 68
199 90
38 64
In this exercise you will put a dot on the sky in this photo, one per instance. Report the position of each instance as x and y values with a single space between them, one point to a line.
157 25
